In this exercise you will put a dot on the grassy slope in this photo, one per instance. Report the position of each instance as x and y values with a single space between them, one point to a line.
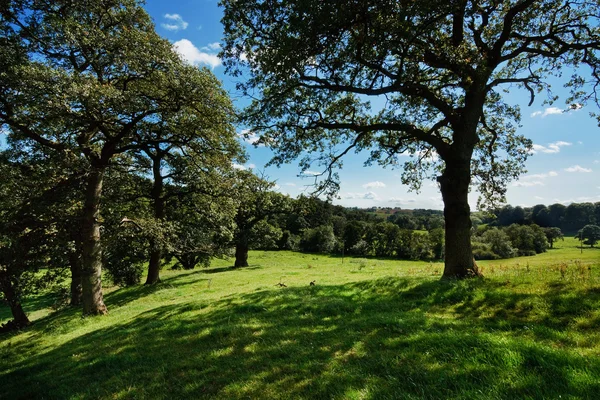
369 329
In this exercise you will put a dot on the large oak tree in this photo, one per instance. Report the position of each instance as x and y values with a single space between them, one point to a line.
418 77
83 78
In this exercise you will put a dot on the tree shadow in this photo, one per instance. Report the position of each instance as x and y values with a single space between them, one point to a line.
386 338
33 303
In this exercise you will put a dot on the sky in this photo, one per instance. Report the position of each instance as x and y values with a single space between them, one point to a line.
564 167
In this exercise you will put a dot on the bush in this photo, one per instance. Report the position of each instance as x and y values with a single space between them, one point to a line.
125 257
483 251
318 240
289 241
499 243
361 248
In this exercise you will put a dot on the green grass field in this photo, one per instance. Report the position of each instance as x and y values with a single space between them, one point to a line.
368 329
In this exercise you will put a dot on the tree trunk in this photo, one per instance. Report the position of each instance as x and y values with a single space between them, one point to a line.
241 252
187 261
20 318
76 268
93 302
454 185
159 213
154 264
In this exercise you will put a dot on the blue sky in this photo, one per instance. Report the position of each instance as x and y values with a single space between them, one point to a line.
563 169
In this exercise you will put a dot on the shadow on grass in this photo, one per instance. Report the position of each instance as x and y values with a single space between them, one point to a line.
386 338
31 304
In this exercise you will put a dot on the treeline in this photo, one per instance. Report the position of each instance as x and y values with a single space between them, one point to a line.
569 218
315 226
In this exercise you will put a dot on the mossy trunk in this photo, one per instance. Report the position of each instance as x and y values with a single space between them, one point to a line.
93 302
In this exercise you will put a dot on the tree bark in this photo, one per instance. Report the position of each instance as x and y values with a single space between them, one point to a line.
20 319
93 302
159 213
154 264
454 185
241 252
76 268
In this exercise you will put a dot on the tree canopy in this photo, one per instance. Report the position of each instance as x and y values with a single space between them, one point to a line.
424 78
93 81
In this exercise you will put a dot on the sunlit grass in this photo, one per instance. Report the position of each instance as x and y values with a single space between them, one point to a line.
368 329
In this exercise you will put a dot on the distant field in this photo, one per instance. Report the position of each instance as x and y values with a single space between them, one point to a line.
367 329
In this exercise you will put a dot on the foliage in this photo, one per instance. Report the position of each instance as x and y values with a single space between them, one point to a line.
553 234
94 81
497 242
318 240
264 236
419 78
126 257
590 234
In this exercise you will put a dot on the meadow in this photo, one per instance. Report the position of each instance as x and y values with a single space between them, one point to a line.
366 329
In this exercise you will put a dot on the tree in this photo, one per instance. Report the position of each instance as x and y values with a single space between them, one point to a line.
577 215
553 234
499 243
590 234
256 201
318 240
556 214
35 209
83 78
435 72
198 137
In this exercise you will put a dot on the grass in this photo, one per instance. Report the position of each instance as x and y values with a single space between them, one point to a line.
368 329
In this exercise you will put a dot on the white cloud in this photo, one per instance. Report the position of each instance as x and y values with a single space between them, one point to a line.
596 161
362 196
538 198
310 173
290 184
176 22
400 200
376 184
552 148
546 112
250 137
431 156
243 167
577 168
193 55
576 106
580 199
556 110
539 176
528 183
212 46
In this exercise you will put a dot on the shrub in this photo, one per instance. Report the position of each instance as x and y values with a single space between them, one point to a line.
499 243
318 240
483 251
125 257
